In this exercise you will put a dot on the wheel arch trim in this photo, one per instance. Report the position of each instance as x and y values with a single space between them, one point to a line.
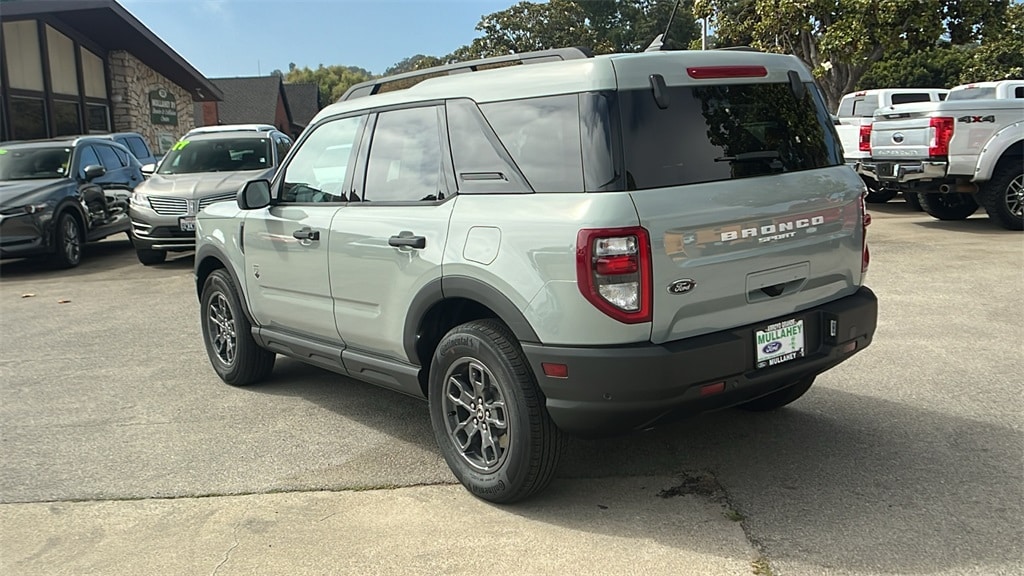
208 252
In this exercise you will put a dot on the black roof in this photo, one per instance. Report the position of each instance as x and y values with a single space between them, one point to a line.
250 100
109 25
304 102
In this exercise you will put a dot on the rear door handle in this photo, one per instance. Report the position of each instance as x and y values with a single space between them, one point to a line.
306 234
406 238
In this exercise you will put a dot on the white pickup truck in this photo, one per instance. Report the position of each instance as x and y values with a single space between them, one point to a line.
855 115
957 154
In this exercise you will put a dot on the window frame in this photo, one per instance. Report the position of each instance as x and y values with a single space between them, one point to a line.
277 186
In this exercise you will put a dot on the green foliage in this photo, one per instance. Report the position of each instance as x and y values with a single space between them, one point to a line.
417 62
332 80
939 67
1001 54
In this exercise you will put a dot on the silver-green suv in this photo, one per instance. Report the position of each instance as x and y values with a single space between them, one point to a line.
585 245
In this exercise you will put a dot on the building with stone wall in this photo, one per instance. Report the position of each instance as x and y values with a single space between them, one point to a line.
89 66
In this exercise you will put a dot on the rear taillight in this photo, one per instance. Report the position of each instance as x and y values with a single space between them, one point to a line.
613 271
865 138
940 132
865 222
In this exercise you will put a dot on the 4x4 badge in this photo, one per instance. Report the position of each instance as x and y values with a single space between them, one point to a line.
681 286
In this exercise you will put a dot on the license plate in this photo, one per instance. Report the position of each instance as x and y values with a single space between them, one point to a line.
779 343
187 223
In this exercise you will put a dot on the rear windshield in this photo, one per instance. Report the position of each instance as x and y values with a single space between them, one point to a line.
34 163
712 133
911 98
220 155
972 94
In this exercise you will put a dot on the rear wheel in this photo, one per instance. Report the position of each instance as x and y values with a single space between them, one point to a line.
1003 197
877 193
227 333
150 257
952 206
779 398
488 414
913 199
68 241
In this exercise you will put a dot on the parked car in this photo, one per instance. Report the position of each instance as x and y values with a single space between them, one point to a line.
56 195
855 115
584 245
134 142
956 154
230 128
198 171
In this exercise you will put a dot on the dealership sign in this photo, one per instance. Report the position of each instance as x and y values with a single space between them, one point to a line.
162 107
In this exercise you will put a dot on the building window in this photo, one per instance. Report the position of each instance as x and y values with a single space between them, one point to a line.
28 118
93 75
24 64
63 71
96 118
67 117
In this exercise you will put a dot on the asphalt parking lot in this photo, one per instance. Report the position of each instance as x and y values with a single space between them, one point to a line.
124 454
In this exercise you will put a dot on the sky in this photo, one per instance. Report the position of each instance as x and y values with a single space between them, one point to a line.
228 38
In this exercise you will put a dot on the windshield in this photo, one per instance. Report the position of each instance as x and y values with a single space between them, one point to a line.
34 163
972 94
220 155
711 133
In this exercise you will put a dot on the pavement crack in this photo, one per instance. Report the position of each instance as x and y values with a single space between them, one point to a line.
227 553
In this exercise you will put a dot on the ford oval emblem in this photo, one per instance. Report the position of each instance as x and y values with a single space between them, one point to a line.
681 286
897 137
772 347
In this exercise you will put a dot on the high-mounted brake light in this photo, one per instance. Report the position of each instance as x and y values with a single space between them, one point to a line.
864 144
613 271
940 132
707 72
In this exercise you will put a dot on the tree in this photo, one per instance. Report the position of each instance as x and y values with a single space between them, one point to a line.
603 26
333 81
938 67
417 62
840 40
1001 54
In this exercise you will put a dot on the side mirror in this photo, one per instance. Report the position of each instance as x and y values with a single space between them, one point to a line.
148 169
93 171
254 195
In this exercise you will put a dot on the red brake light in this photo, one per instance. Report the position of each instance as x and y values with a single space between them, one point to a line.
865 222
706 72
613 272
865 138
941 133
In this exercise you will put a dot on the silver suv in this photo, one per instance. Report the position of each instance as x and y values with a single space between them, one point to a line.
584 245
199 170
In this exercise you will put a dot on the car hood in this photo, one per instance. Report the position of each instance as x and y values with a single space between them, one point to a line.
14 193
201 184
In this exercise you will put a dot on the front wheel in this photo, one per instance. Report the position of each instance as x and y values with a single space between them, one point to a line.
1003 197
951 206
150 257
779 398
68 241
488 414
227 333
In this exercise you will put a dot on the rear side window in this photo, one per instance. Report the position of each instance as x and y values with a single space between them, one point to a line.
865 108
543 137
1018 92
138 147
908 98
122 156
405 157
711 133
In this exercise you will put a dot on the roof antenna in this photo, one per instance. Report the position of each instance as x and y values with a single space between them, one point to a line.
659 40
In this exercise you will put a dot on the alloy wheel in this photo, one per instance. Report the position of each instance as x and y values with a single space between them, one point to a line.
1015 196
475 414
72 240
222 328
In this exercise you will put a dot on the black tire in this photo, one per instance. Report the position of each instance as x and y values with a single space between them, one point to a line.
482 360
68 241
780 398
880 196
151 257
913 199
227 334
952 206
1003 196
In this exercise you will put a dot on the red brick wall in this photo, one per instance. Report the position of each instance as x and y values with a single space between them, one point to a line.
210 115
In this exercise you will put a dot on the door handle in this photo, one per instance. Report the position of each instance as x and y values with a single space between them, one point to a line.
306 234
407 239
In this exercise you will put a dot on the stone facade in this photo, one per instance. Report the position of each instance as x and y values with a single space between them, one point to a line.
131 82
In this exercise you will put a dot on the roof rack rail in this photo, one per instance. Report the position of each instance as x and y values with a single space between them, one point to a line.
409 79
739 48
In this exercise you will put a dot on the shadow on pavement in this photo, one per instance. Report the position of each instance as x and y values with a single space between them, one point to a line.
977 224
99 258
838 479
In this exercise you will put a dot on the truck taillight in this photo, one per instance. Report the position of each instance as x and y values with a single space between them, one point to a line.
940 132
865 138
613 272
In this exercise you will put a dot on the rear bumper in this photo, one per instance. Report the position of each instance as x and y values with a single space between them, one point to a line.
614 390
902 171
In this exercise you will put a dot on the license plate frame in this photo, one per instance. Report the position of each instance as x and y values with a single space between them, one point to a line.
187 223
780 343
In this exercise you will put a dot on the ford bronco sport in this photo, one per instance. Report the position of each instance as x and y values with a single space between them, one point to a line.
574 244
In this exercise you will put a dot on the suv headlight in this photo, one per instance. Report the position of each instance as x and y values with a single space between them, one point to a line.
139 199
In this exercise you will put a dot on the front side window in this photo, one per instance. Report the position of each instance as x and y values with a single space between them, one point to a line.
34 163
87 157
108 157
711 133
318 170
404 164
217 155
138 147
